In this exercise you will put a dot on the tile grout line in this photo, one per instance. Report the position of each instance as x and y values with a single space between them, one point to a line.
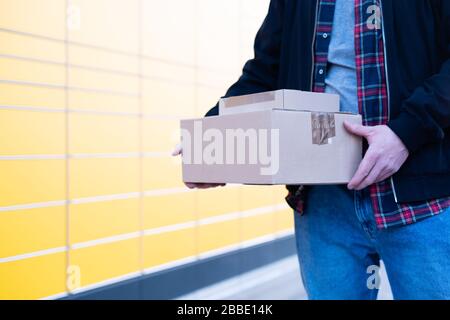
160 117
73 88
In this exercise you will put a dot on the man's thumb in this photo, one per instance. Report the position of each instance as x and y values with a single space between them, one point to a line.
177 151
357 129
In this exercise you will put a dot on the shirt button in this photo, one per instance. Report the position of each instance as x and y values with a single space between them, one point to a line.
325 35
320 71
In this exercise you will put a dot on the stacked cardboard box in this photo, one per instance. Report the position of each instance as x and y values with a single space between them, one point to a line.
279 137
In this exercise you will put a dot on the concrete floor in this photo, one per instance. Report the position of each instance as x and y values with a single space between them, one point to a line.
278 281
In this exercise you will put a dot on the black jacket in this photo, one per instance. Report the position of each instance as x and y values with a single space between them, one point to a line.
417 41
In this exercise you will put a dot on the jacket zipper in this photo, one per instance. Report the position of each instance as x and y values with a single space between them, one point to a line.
312 47
387 85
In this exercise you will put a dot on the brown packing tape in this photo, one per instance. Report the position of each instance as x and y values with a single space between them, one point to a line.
249 99
323 127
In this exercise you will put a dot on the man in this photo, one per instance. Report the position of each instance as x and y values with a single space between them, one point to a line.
389 60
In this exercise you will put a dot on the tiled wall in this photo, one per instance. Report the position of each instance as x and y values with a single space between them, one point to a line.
91 93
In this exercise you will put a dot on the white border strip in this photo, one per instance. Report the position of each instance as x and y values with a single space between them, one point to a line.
33 109
220 218
107 240
171 228
74 88
145 116
117 155
35 205
33 157
109 197
166 192
33 254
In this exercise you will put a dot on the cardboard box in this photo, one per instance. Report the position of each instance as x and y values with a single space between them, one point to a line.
280 99
271 147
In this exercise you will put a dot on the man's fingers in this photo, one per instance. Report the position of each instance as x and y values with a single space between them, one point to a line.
357 129
177 151
384 175
363 171
387 173
372 178
196 185
191 185
208 185
379 173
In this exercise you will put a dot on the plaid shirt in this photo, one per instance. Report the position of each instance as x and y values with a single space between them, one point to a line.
373 106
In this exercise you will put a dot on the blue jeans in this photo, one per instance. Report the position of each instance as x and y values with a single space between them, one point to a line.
337 241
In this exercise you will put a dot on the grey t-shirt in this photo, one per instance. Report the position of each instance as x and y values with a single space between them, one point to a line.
341 75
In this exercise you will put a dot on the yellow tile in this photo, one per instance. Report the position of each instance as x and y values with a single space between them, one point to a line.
257 226
168 209
166 247
103 133
168 71
217 201
31 47
160 135
218 235
42 17
23 95
217 46
107 60
207 98
168 98
162 173
91 221
33 278
96 101
94 177
30 230
284 220
280 192
89 79
31 181
177 24
31 71
257 196
29 132
106 261
107 24
213 79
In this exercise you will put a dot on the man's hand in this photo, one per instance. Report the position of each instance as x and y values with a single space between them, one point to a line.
385 156
179 151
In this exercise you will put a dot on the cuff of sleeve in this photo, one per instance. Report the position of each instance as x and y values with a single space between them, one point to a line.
410 130
213 112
